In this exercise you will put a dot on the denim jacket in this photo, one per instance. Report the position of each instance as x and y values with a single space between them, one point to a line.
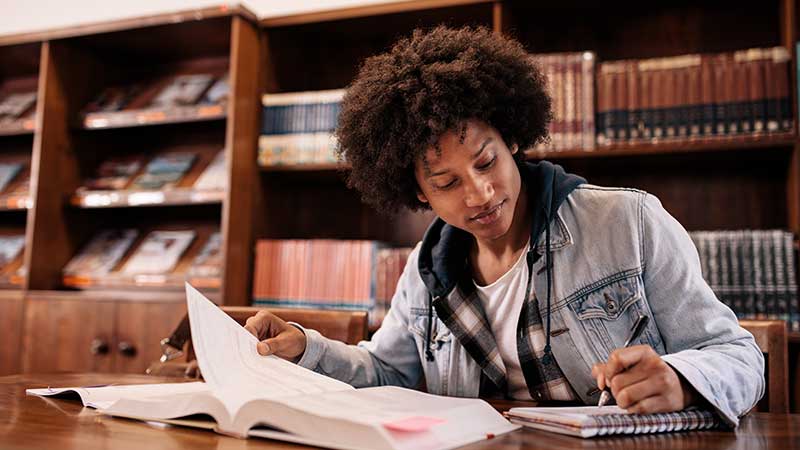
616 254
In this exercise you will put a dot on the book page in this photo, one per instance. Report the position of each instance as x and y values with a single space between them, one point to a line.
104 396
384 413
228 360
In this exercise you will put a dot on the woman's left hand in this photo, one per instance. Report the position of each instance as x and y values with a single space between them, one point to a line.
642 382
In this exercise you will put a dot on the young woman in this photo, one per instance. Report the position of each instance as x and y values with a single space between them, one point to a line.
529 280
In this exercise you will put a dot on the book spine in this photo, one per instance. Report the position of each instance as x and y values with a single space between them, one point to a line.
621 103
632 106
587 100
695 99
771 103
671 103
682 101
570 103
646 101
780 59
659 97
602 116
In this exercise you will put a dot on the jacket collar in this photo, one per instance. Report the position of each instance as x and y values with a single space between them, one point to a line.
560 236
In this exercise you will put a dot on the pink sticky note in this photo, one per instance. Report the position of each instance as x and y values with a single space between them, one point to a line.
413 424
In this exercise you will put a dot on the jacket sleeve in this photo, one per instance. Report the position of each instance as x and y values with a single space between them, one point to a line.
389 358
702 337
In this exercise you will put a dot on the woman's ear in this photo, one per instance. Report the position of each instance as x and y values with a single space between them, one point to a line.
514 149
421 196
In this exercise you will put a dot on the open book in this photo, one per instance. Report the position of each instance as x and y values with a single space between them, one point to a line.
590 421
246 394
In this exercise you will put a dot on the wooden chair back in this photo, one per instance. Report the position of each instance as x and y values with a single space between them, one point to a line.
349 327
771 337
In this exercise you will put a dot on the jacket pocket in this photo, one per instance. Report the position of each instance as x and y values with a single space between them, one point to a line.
436 371
607 316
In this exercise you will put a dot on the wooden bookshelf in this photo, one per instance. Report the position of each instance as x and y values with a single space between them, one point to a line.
64 142
19 74
751 182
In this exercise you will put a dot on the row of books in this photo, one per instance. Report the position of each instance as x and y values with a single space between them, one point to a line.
570 80
356 275
17 105
179 90
388 268
298 127
163 171
688 97
752 271
157 253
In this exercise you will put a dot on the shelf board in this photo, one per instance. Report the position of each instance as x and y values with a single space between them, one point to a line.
167 282
145 117
671 147
17 127
362 11
109 26
310 167
170 197
15 202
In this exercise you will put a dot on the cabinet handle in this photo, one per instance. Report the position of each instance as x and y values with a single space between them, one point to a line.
126 348
99 346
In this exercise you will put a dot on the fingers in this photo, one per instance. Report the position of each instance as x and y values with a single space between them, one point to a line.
636 393
641 381
278 345
625 358
262 324
255 324
651 405
289 344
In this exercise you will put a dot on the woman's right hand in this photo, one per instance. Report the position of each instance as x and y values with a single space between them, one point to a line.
276 336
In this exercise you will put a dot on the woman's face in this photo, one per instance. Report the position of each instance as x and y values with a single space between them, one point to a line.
472 184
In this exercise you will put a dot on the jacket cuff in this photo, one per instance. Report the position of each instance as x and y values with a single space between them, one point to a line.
703 387
315 347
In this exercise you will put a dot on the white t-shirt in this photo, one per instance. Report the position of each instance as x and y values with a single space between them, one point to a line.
502 302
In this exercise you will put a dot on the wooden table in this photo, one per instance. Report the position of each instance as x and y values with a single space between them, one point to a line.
35 423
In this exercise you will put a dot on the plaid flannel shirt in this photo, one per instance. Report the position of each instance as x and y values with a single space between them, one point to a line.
463 314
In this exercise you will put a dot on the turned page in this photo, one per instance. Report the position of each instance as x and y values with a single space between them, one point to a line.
229 362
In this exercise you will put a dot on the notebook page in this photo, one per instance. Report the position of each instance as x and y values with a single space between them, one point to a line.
578 412
227 356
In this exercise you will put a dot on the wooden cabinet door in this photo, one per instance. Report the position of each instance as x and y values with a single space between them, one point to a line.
10 334
68 335
140 328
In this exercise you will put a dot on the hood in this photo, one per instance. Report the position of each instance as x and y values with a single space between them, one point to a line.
444 250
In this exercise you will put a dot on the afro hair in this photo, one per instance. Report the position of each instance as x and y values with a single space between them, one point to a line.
403 100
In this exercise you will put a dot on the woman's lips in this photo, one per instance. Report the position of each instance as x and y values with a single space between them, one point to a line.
489 216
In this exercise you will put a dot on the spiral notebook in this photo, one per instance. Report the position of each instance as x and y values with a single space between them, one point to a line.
591 421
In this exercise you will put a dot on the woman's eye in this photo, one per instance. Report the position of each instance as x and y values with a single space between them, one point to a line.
487 164
448 185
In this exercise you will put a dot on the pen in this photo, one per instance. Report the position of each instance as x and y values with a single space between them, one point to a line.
636 331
